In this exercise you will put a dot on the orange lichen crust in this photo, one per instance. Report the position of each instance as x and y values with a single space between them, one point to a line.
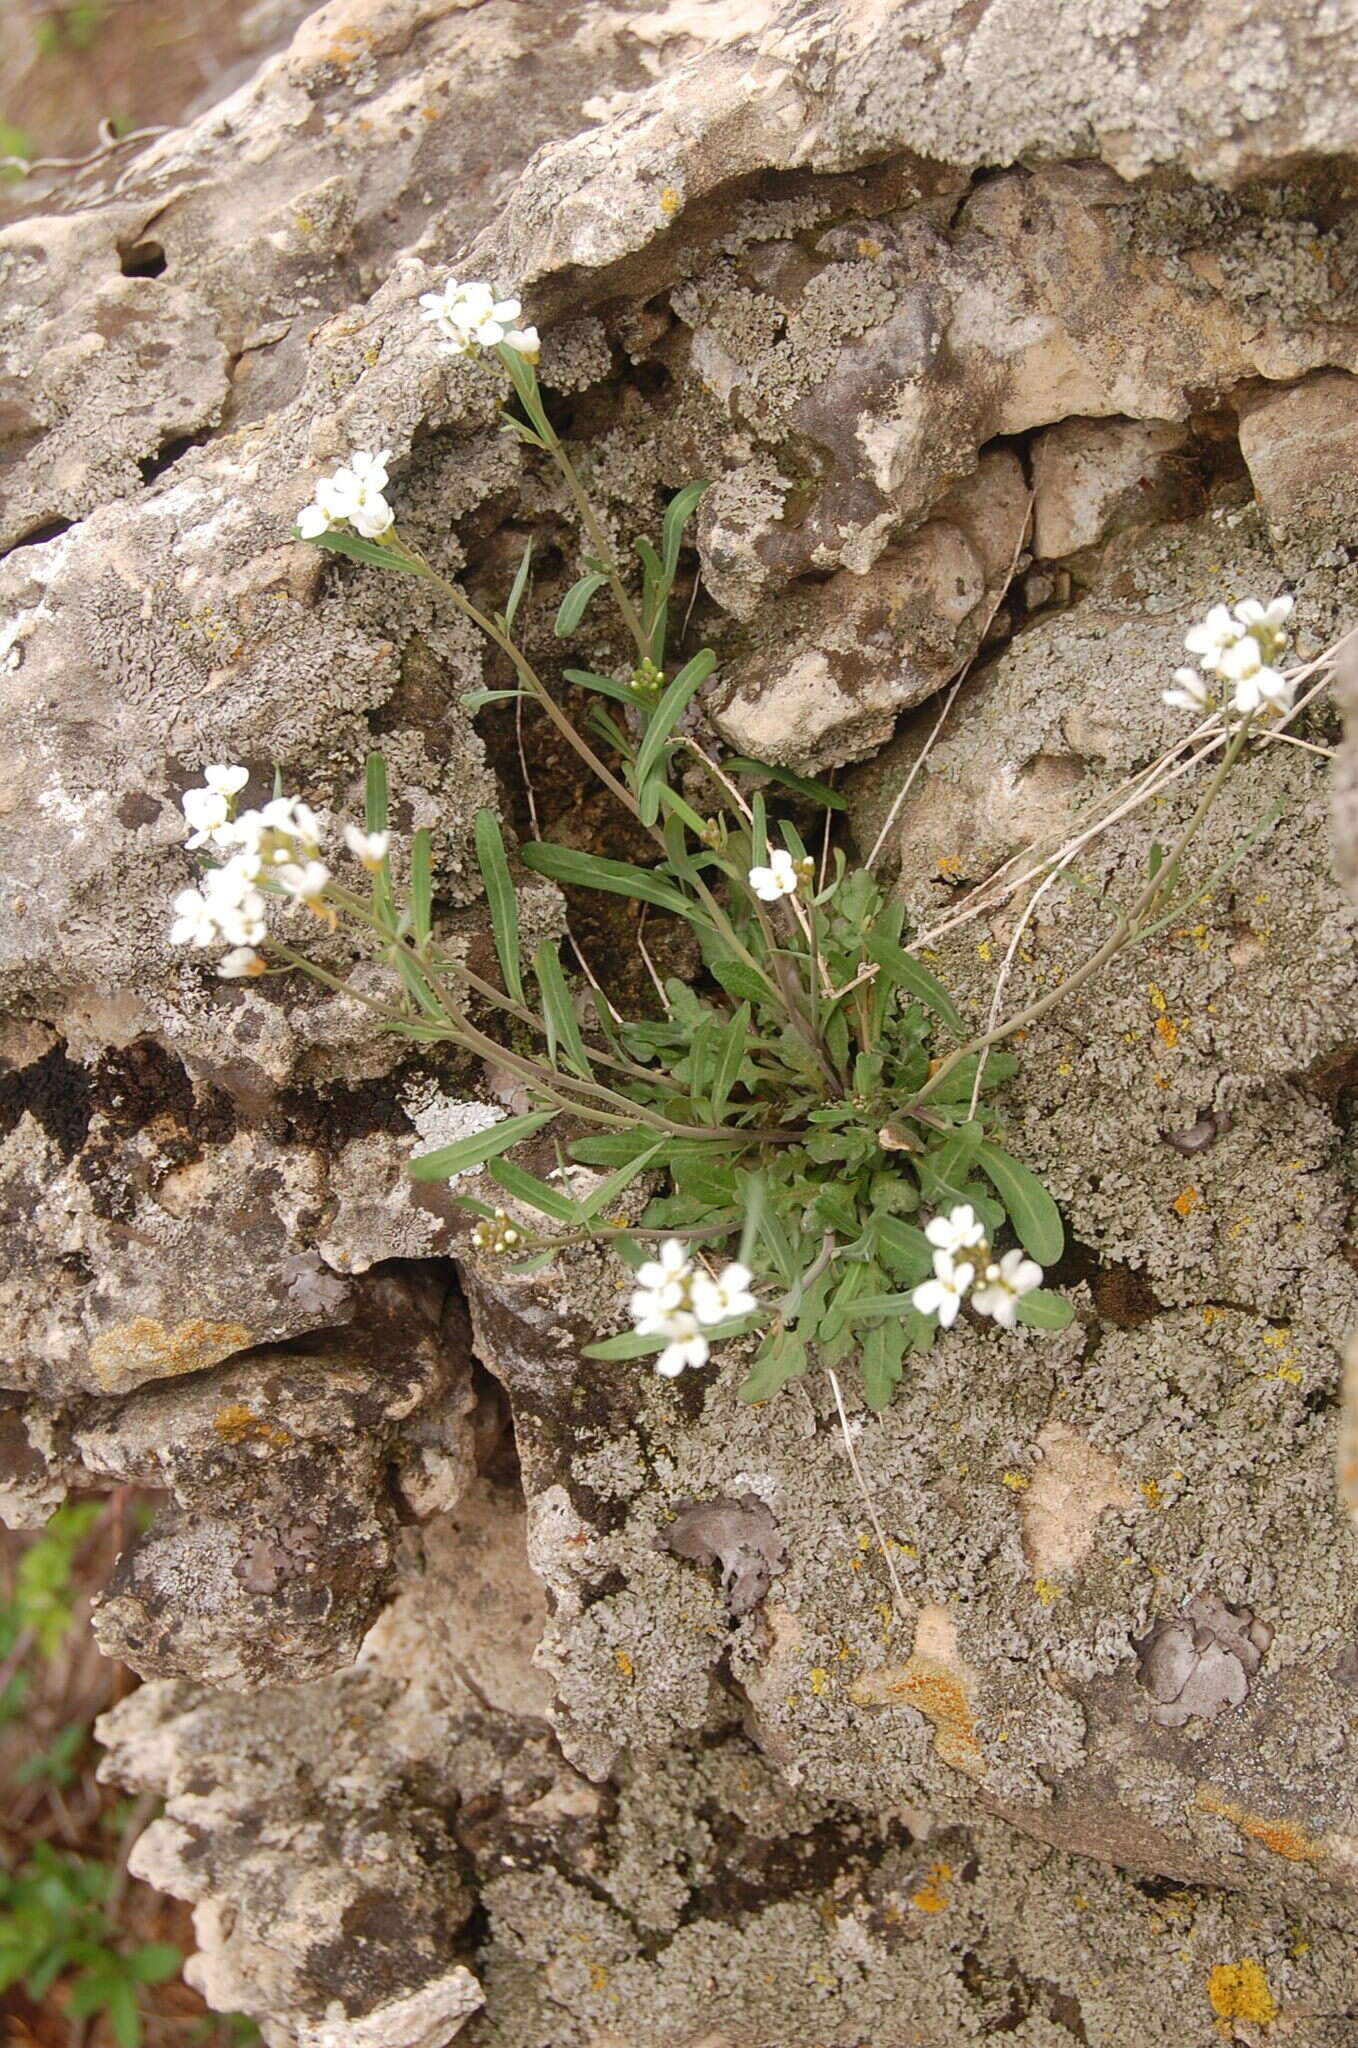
145 1350
935 1691
1284 1837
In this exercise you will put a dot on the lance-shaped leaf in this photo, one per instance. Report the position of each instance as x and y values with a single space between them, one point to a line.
504 909
359 550
805 785
476 1149
518 587
421 886
678 512
590 871
914 977
667 714
1031 1210
558 1011
572 607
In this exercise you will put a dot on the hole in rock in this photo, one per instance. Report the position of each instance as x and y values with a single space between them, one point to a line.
143 259
168 453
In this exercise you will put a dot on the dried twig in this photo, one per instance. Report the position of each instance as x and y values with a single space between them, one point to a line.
897 1589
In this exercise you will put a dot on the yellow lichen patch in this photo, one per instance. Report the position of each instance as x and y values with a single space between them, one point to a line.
1239 1991
598 1976
1015 1481
1157 996
1072 1485
868 248
145 1350
1046 1590
937 1683
1186 1201
949 864
932 1896
1284 1837
1151 1489
820 1678
1168 1030
670 201
237 1424
623 1662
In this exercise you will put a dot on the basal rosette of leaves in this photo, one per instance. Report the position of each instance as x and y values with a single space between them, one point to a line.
814 1111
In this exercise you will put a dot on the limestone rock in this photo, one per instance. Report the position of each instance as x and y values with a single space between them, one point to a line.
1089 476
1302 448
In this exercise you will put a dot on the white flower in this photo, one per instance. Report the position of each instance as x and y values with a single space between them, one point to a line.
368 847
673 1264
195 923
235 903
241 962
1190 692
468 316
351 497
957 1231
1002 1286
942 1296
687 1345
303 879
291 818
728 1295
205 812
779 878
1272 617
1217 632
1262 686
229 780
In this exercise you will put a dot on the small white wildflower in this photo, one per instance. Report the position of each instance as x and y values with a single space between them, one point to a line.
942 1296
205 813
714 1301
687 1345
368 847
779 878
1273 617
468 315
1190 692
195 922
235 902
291 819
226 778
1003 1285
240 963
958 1231
304 880
351 497
1218 631
673 1265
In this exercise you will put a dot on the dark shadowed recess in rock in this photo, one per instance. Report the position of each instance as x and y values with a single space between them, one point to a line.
51 529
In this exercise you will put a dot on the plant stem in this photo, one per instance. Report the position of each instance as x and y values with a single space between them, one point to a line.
1129 927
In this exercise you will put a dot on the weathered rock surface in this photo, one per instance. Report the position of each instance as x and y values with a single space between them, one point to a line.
886 274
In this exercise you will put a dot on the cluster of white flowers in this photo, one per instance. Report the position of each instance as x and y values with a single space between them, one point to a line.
963 1266
351 497
275 850
469 316
675 1301
496 1234
1238 652
782 877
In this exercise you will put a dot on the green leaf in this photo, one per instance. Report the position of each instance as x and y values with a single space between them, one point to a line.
611 1148
604 686
627 1344
473 700
906 1250
678 512
558 1011
1033 1213
154 1962
730 1058
572 607
739 980
883 1351
805 785
504 909
120 2006
1043 1310
360 550
780 1358
590 871
608 1191
421 886
911 975
518 587
376 804
476 1149
538 1194
662 723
